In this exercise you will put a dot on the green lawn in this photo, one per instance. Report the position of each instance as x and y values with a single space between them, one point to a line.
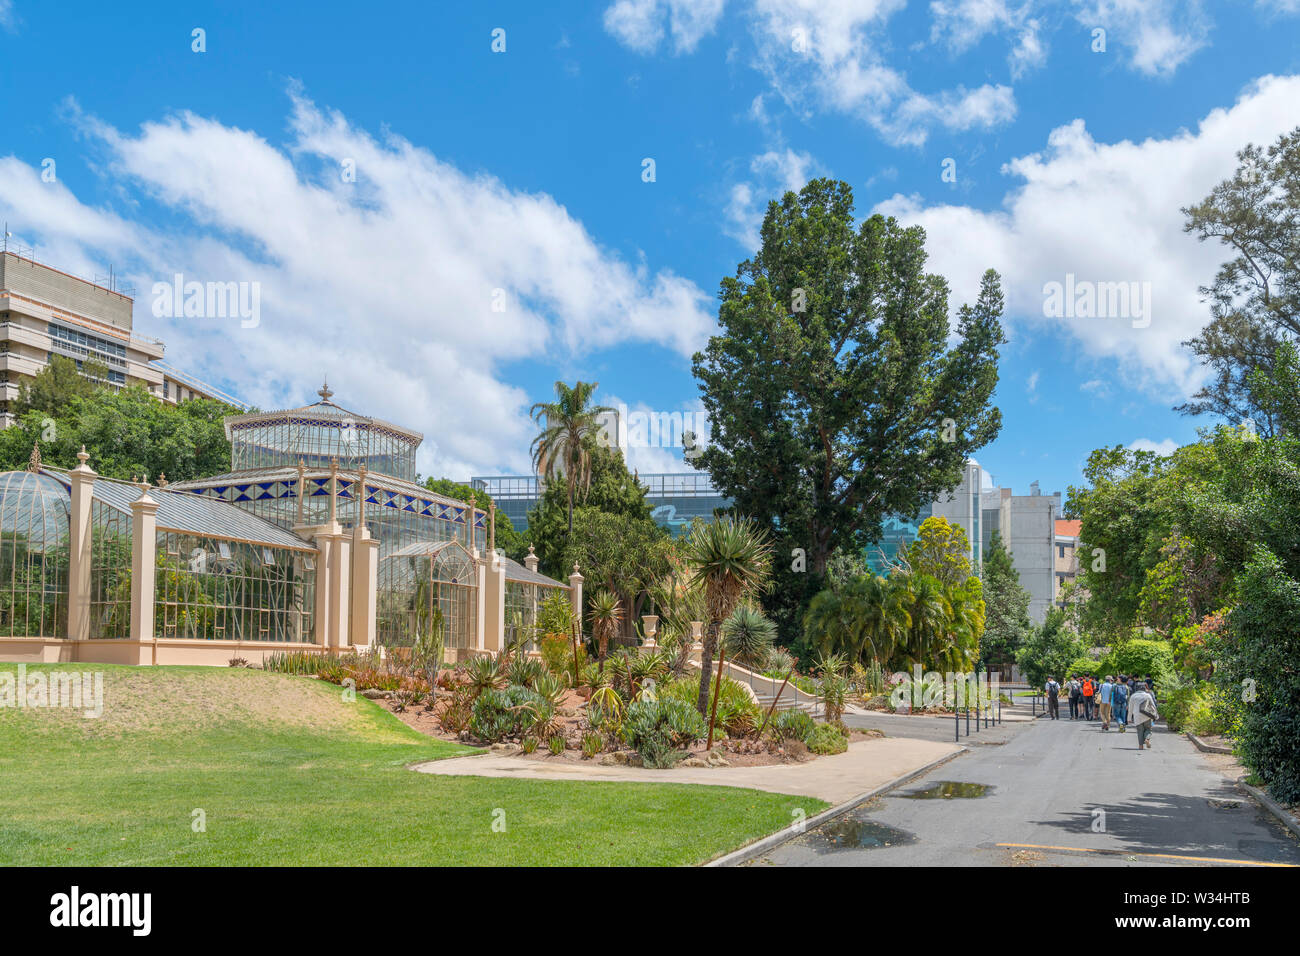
287 773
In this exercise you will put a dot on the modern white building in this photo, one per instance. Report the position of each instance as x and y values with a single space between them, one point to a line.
46 312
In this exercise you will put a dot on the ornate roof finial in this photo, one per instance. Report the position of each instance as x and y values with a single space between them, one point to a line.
162 479
324 391
34 463
82 456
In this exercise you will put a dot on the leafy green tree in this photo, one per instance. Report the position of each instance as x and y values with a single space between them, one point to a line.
54 386
128 434
621 553
940 550
1255 297
834 396
507 537
1050 649
563 447
612 490
1006 607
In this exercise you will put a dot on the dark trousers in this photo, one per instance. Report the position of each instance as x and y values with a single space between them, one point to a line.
1053 708
1074 707
1087 707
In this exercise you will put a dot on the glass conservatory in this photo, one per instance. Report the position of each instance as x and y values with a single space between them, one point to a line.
283 469
33 555
427 585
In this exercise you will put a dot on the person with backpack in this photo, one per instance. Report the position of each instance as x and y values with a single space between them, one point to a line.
1072 686
1107 698
1119 702
1086 692
1053 690
1142 712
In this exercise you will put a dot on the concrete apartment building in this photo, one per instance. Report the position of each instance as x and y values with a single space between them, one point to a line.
46 312
1027 526
1066 557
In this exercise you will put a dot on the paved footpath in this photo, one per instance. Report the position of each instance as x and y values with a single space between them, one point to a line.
866 765
1164 806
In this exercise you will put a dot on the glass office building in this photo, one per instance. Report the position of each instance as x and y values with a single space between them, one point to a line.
675 498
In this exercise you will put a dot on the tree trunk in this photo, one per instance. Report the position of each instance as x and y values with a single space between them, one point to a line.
706 667
717 692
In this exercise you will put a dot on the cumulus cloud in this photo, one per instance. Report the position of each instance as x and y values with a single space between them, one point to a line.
1163 448
1159 36
774 173
1074 198
408 286
961 24
642 24
828 54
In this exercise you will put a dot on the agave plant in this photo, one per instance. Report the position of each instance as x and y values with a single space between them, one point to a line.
485 673
606 615
730 557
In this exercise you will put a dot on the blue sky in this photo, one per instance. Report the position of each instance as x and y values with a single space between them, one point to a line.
499 233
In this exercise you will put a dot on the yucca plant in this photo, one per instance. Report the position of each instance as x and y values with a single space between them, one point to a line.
730 558
748 636
606 615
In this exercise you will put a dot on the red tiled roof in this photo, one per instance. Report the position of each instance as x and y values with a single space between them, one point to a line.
1066 528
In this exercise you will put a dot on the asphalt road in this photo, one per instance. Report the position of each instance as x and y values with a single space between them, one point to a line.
1160 807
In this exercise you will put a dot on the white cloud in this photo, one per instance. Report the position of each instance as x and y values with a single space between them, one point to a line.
1163 448
1031 386
827 54
1108 213
640 24
775 172
7 19
961 24
1159 35
386 284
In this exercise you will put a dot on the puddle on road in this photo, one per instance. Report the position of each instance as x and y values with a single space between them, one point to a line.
859 835
948 790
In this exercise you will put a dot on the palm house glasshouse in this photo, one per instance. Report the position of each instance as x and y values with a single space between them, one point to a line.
318 536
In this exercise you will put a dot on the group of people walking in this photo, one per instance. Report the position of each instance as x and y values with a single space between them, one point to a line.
1128 700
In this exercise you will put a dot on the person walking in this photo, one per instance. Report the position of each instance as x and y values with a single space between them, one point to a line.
1119 702
1086 692
1142 712
1107 698
1072 686
1053 690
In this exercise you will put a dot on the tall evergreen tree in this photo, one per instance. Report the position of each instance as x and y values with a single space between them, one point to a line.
1006 608
834 395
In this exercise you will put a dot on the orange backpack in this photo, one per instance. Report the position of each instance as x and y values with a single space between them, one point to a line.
1087 688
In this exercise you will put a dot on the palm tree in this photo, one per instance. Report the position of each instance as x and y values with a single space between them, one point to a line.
748 635
885 620
561 447
930 612
730 557
606 614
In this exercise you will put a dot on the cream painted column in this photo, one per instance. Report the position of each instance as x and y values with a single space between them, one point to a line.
365 573
480 600
144 552
80 554
324 557
494 601
575 592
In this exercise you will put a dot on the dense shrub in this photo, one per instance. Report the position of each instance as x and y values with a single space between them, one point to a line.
1142 658
738 712
656 729
1085 665
557 654
827 739
1257 673
1195 707
507 713
791 725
